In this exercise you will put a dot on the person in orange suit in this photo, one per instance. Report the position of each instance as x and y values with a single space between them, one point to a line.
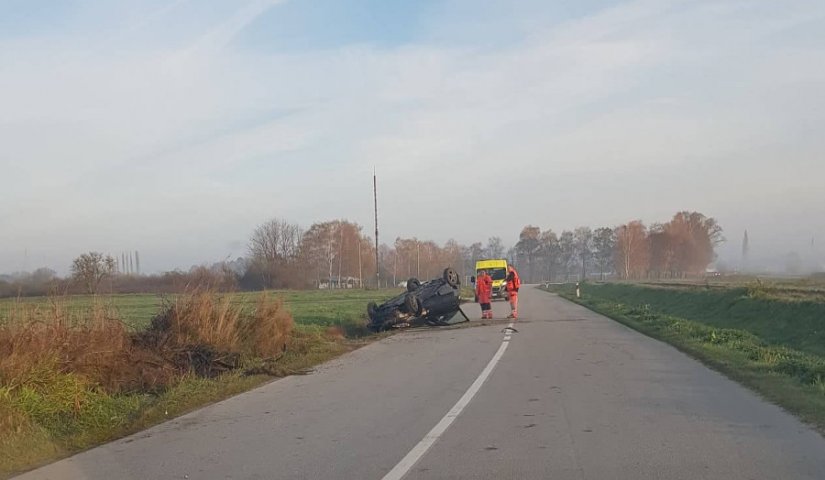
513 284
484 293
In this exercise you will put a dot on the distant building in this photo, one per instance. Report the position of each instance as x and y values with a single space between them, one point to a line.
343 282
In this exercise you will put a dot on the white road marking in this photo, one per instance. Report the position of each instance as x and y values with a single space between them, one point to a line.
418 451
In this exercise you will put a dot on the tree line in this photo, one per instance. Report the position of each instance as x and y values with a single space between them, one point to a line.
335 254
683 246
338 254
280 254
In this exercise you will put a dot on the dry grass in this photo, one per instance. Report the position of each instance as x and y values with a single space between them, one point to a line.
92 345
95 347
59 358
268 330
209 322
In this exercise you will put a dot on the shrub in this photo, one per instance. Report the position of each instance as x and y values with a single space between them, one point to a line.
213 325
90 343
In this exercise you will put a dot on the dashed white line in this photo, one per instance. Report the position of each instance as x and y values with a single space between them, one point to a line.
418 451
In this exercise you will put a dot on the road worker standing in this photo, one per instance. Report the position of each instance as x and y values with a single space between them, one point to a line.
484 293
513 284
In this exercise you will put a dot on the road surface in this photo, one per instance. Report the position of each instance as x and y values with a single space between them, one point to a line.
571 395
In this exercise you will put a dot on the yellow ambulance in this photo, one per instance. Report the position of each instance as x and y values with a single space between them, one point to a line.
498 270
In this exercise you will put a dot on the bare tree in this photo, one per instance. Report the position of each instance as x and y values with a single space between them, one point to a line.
472 254
567 252
549 252
632 253
663 243
495 247
528 248
389 264
320 245
91 268
583 246
452 256
337 248
604 245
272 246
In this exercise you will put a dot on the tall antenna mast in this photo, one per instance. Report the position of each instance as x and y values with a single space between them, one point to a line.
375 199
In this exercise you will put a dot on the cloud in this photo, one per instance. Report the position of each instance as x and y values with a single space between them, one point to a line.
179 147
221 35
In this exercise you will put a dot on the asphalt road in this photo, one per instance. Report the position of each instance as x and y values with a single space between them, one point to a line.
571 395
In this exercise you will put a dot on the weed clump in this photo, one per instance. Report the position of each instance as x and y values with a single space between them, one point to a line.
92 345
208 334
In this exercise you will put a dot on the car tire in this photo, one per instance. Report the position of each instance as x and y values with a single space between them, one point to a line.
412 304
413 284
451 277
371 307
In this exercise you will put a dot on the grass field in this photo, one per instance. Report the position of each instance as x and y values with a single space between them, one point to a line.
767 339
49 410
342 308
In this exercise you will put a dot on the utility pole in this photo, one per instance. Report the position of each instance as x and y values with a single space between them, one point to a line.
340 251
745 251
418 253
375 201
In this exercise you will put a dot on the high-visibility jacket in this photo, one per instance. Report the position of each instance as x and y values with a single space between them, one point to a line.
484 288
513 281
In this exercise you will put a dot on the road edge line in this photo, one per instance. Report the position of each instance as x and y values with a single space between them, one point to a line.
403 467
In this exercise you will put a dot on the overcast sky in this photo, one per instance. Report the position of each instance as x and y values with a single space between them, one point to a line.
174 127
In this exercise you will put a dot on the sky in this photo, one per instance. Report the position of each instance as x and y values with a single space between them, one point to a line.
175 127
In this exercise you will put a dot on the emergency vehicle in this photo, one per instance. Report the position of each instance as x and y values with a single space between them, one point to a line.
497 268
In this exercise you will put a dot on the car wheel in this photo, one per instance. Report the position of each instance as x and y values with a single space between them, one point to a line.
371 310
413 284
412 304
451 277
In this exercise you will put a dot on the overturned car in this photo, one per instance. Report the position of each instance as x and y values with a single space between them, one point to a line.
434 302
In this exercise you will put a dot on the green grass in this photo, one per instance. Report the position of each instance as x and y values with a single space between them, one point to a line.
343 308
771 345
136 310
55 429
346 309
798 324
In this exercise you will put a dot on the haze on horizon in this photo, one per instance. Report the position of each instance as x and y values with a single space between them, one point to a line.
175 127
